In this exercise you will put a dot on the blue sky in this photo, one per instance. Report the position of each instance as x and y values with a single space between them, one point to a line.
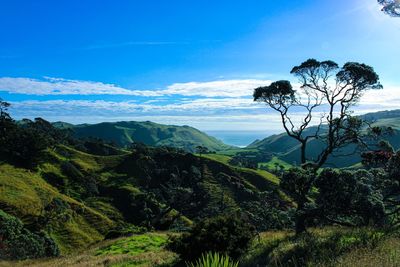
182 62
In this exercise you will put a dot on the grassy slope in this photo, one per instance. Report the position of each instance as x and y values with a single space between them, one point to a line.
341 247
261 179
225 160
26 195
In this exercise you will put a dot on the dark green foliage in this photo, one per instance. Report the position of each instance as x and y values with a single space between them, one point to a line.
391 188
250 159
297 182
350 197
17 242
276 92
228 234
268 213
83 183
22 143
387 178
201 150
97 146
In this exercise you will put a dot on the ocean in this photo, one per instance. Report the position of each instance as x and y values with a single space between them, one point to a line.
239 138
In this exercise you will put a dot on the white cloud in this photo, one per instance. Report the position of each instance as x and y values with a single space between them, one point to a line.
199 106
59 86
388 97
226 88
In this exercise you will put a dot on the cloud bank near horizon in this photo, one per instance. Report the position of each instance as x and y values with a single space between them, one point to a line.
210 105
60 86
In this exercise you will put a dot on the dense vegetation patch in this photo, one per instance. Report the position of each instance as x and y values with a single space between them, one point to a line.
228 235
17 242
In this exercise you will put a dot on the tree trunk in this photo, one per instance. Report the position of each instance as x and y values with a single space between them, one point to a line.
300 224
303 152
300 219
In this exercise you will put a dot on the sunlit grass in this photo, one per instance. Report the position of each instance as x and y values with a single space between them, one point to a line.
141 250
135 245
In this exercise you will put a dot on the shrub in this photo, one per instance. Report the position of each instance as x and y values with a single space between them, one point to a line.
214 260
227 235
350 196
17 242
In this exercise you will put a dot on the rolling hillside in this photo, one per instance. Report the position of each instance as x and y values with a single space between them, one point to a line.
288 149
78 199
149 133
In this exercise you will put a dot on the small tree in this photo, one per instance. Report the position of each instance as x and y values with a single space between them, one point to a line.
201 150
4 115
328 92
5 121
391 7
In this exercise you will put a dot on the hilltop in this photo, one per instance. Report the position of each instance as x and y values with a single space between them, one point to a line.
123 133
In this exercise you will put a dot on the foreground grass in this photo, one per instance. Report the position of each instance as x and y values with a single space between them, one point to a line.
140 250
386 254
330 246
342 247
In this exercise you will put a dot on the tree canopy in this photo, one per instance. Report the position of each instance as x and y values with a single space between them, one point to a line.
391 7
326 95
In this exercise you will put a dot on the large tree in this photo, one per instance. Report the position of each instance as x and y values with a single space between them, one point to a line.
326 95
391 7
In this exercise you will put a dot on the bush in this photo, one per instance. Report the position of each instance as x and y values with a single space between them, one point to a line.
350 196
214 260
228 235
17 242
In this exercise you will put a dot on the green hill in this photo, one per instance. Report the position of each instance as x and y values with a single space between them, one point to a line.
150 133
288 149
79 199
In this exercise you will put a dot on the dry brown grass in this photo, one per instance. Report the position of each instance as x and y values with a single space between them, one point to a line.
86 260
386 254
